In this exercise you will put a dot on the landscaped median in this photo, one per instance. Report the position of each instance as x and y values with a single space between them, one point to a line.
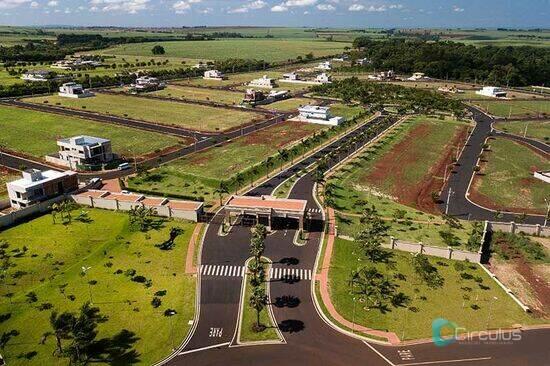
134 274
257 324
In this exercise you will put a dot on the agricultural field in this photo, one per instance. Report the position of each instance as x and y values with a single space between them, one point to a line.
264 49
98 257
507 181
203 171
536 129
185 115
515 108
202 94
467 296
35 133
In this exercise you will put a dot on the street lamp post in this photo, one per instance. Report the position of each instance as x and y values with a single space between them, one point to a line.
449 194
547 211
353 323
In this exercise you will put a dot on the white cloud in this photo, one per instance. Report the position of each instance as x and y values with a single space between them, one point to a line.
11 4
183 6
127 6
279 8
379 8
395 6
53 3
254 5
34 4
326 7
206 11
299 3
457 9
356 7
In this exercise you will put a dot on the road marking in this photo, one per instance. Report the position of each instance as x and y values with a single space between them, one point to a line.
445 361
204 348
405 354
314 210
290 273
379 354
215 333
221 270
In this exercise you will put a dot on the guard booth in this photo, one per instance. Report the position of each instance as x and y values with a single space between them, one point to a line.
267 210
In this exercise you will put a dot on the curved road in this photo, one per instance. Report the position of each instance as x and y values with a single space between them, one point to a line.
459 204
308 338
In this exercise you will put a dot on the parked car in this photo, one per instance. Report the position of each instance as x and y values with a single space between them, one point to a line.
123 166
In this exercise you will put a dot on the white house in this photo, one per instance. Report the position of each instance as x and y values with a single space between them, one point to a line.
319 115
418 76
324 66
37 186
323 78
81 151
291 76
492 91
263 82
146 83
450 89
382 75
362 61
76 64
74 90
213 75
341 58
39 75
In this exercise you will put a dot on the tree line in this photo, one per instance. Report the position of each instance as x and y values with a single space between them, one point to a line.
504 66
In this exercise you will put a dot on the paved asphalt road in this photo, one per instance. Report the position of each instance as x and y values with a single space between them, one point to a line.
459 204
309 340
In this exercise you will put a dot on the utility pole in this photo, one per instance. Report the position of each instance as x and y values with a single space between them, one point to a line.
547 211
525 132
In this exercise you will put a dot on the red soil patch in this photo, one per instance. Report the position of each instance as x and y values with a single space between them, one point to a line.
394 164
279 135
166 150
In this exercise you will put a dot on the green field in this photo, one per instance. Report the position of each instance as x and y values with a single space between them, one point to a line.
199 174
474 303
113 255
263 49
288 104
5 177
220 96
514 108
537 129
191 116
507 182
35 133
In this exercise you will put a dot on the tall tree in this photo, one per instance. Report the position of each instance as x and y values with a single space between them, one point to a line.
258 301
374 231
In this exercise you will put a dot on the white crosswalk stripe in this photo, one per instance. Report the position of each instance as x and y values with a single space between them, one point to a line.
275 273
314 210
290 273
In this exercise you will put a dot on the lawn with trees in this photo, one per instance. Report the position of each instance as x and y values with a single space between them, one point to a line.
35 133
403 293
506 179
202 94
515 108
62 266
191 116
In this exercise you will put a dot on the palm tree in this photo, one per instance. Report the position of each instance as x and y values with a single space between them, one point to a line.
61 325
268 164
221 190
258 300
283 156
252 173
239 180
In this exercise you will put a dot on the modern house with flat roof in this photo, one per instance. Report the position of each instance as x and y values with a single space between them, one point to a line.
74 90
258 97
383 75
145 84
82 151
291 76
37 186
492 91
318 114
418 76
323 78
263 82
213 75
324 66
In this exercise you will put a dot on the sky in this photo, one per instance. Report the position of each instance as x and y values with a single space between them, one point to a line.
292 13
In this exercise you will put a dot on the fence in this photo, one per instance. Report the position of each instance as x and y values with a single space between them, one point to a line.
19 215
512 227
442 252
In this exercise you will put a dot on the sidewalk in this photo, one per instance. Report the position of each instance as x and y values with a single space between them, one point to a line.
325 296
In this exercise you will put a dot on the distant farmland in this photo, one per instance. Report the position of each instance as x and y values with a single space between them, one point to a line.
268 50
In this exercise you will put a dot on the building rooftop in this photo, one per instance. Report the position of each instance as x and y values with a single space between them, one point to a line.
33 176
84 140
314 108
269 202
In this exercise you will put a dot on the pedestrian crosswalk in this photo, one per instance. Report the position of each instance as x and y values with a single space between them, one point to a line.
314 210
275 273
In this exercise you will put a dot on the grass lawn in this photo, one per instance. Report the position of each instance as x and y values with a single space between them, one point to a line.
113 254
249 317
241 79
344 110
199 174
171 113
468 300
5 177
220 96
537 129
471 94
260 49
403 166
507 181
35 133
515 108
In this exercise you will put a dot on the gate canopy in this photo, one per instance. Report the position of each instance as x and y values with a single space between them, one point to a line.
270 206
